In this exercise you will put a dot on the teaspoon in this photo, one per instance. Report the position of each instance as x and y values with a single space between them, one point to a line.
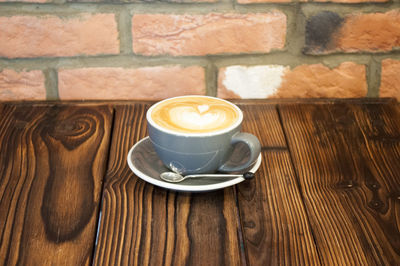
173 177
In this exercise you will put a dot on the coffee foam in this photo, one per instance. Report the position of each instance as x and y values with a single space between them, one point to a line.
194 114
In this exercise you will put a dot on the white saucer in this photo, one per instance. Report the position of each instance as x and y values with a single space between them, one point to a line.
144 162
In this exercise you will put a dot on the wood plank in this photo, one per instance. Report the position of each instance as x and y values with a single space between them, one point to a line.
52 164
145 225
347 159
263 122
275 224
274 221
380 127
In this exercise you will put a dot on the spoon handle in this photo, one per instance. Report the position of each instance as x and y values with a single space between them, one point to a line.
247 175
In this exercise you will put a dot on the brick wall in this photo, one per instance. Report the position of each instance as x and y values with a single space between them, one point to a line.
144 49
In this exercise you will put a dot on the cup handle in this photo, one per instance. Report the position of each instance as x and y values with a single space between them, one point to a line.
254 146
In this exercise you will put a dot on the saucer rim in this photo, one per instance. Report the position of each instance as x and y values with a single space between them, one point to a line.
180 187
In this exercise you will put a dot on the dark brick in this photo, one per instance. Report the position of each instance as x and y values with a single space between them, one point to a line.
320 31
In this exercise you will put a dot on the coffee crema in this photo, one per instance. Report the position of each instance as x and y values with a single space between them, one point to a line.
194 114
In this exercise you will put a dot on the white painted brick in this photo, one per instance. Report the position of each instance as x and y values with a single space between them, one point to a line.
254 82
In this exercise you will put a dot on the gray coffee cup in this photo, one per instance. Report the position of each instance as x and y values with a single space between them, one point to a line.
188 153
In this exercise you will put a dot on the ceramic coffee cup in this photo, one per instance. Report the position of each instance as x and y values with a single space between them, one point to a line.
197 134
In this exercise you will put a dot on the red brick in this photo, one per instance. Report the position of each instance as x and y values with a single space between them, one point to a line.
263 1
327 32
51 36
345 81
141 1
146 83
24 85
370 32
184 35
390 79
305 81
351 1
27 1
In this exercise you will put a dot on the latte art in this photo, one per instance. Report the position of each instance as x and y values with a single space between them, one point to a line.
194 114
190 117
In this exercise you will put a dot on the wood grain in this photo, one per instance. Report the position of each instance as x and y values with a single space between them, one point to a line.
275 225
52 164
327 191
347 159
263 122
145 225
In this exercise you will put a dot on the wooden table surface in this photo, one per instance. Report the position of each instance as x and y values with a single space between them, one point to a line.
327 191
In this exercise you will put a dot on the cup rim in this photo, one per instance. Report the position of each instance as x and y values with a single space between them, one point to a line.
213 133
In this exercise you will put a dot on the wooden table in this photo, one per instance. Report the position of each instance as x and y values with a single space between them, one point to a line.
327 191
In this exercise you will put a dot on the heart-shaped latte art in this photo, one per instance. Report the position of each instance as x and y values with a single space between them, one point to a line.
203 108
194 114
200 117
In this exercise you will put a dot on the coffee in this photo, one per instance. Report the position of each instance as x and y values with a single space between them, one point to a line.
195 114
197 134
